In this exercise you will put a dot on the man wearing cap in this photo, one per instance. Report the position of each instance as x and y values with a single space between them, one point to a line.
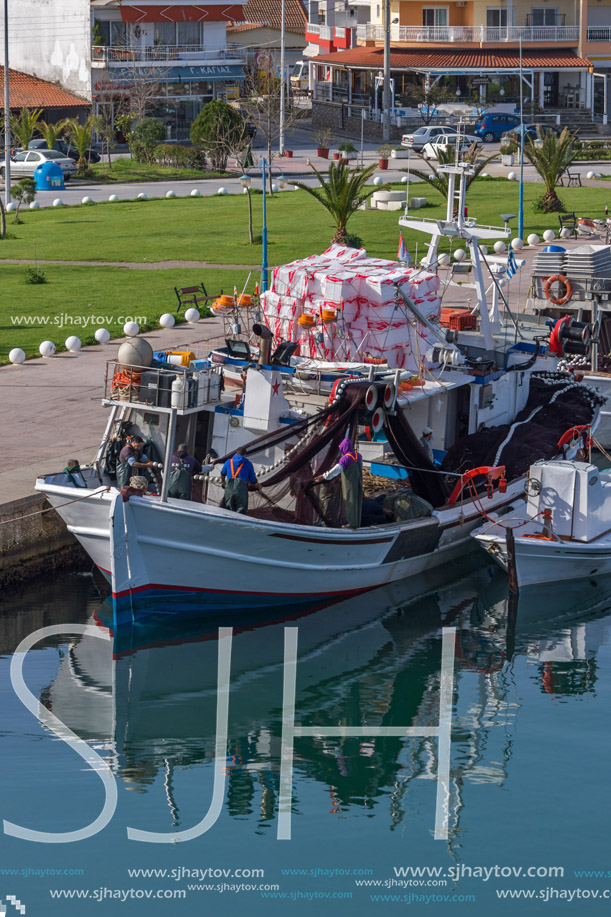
425 442
236 474
182 468
350 466
131 458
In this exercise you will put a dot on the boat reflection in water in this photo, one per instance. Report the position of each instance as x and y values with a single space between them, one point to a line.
372 661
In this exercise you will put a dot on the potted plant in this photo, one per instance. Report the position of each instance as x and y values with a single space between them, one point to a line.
323 140
508 149
347 150
383 154
288 154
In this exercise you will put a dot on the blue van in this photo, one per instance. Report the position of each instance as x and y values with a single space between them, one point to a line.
490 127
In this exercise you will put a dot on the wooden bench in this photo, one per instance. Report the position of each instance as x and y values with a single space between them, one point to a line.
568 221
192 296
572 178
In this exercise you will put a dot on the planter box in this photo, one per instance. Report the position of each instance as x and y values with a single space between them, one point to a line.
322 152
382 164
336 156
288 154
400 154
507 159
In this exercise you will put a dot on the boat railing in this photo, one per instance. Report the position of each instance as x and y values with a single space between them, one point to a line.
184 388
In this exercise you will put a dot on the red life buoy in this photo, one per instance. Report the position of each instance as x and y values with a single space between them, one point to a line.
568 286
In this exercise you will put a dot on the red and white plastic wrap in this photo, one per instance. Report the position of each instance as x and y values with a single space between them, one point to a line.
369 324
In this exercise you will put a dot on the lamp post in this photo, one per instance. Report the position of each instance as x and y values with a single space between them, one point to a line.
7 115
246 182
386 95
521 200
282 75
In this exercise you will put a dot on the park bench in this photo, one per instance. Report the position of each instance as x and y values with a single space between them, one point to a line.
568 221
572 179
192 296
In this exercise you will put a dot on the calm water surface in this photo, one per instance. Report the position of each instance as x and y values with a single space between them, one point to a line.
530 754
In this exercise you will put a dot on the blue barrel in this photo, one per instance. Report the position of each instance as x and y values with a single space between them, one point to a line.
48 176
554 248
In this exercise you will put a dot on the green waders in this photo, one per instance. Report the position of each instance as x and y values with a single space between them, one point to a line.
124 473
352 493
236 495
181 483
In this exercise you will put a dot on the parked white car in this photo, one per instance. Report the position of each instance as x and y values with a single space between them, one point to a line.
431 150
426 134
25 163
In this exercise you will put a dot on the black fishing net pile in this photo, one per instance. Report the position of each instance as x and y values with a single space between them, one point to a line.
555 404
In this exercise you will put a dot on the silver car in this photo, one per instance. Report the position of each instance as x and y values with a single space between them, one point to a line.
425 134
24 164
449 141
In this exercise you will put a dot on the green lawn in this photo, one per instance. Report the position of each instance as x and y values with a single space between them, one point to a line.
127 170
93 297
213 229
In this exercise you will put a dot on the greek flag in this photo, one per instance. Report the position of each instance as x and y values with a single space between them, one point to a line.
403 254
512 265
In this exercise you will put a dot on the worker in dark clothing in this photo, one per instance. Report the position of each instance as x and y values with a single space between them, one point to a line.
350 466
236 474
132 457
182 468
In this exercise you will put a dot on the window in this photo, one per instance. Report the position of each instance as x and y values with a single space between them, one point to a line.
434 16
496 18
20 157
543 15
165 33
187 33
118 34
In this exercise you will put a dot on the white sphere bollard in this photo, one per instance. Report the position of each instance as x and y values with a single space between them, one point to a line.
512 176
102 336
58 202
170 194
131 329
192 316
16 356
275 189
142 196
167 320
378 180
483 249
10 208
500 247
196 193
404 179
113 198
549 235
222 191
533 239
590 175
517 244
73 344
460 254
444 259
34 205
484 175
565 233
47 349
86 200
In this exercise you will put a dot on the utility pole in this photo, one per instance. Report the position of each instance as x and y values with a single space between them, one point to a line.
7 115
521 203
282 76
386 101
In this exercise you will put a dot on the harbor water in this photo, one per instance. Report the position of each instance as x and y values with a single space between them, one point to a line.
170 817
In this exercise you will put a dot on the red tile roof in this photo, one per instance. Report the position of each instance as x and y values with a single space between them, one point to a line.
477 59
31 92
245 26
269 13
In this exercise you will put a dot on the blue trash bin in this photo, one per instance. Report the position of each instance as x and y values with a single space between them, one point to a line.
48 176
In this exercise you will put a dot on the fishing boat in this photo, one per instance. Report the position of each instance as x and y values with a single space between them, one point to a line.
560 531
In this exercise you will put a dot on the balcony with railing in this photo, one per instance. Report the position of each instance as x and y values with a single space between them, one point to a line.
473 34
599 33
162 54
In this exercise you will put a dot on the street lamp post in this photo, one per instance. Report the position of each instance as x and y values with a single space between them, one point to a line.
264 277
7 115
386 95
521 201
282 76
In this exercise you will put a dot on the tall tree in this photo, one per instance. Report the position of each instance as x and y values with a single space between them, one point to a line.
426 98
439 179
220 131
341 193
551 157
24 125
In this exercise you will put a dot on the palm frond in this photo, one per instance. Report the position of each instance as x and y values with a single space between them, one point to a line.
341 192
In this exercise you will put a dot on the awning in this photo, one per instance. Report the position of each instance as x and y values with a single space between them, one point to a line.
311 50
211 72
146 13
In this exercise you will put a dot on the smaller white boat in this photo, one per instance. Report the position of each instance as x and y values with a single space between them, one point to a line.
561 531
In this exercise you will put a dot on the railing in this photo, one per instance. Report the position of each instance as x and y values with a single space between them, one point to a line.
599 33
340 33
326 32
313 28
162 388
159 53
472 33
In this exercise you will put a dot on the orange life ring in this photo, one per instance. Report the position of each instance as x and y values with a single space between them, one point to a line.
558 300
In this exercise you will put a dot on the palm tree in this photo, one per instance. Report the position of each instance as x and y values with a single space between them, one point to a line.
439 179
551 156
80 135
24 125
341 193
51 132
